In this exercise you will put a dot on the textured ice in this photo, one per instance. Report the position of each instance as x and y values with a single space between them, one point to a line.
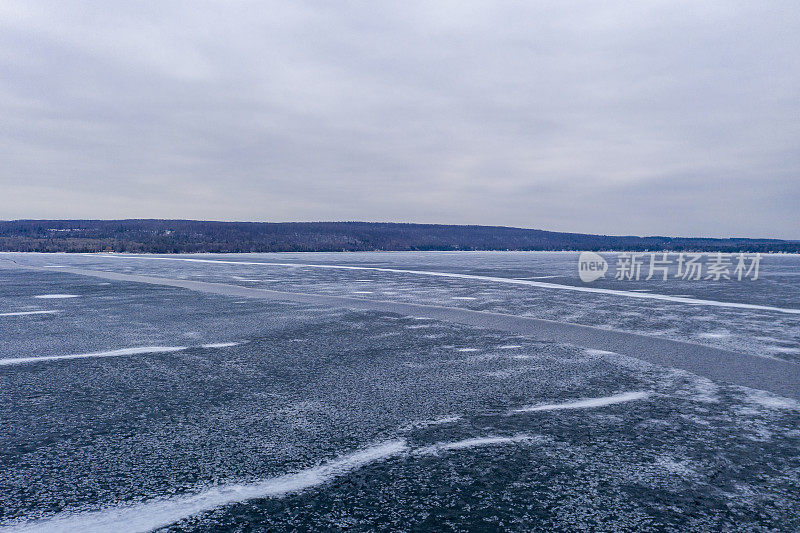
163 512
304 384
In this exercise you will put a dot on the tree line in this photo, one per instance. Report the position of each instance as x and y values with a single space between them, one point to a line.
185 236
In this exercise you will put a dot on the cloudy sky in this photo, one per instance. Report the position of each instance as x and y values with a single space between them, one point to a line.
668 118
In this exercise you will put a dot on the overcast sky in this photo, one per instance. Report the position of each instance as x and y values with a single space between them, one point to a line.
668 118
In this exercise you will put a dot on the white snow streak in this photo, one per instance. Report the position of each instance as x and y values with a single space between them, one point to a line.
25 313
109 353
422 424
587 403
220 345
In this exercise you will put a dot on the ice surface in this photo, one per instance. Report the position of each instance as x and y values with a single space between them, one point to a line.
679 320
230 436
495 279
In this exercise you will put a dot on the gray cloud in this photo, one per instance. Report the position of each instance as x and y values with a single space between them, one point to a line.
675 118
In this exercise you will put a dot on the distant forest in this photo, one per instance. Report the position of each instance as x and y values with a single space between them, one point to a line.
183 236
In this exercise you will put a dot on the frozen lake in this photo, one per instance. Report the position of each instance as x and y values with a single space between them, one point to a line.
142 406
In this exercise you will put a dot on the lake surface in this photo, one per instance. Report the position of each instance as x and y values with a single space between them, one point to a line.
138 407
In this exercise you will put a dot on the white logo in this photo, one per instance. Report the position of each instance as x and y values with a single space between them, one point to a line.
591 266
